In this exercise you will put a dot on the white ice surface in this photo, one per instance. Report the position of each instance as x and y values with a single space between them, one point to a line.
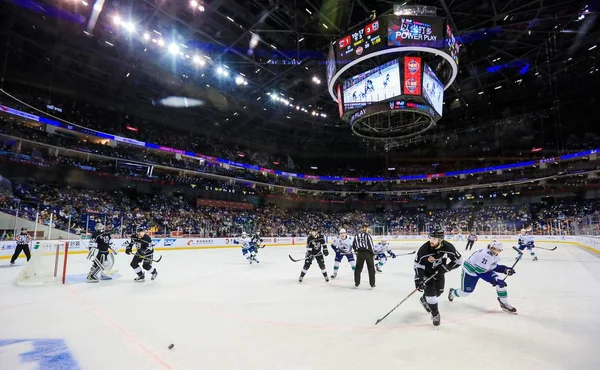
222 313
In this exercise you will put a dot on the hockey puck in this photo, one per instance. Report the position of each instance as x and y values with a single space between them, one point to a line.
171 346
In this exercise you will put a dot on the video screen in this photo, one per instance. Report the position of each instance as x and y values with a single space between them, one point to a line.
412 76
362 41
433 90
415 31
451 46
331 67
375 85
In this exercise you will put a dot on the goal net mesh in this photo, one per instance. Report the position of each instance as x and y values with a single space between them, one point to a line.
47 265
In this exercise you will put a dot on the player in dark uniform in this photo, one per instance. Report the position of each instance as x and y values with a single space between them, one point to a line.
99 253
144 253
435 256
315 248
256 241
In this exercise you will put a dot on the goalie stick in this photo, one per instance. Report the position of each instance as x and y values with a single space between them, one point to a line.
407 297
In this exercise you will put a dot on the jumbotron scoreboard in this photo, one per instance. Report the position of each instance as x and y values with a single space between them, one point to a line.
416 58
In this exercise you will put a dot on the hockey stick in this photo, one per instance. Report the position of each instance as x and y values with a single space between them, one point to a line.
407 297
146 258
517 261
547 249
302 259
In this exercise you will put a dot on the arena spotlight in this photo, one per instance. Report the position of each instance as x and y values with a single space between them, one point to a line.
117 20
146 36
239 80
174 49
161 42
193 3
129 26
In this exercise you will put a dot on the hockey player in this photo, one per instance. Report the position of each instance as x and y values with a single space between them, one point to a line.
316 248
144 253
431 259
100 254
471 239
526 241
483 264
247 247
342 246
256 241
380 249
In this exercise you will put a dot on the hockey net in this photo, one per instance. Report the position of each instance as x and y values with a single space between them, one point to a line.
48 264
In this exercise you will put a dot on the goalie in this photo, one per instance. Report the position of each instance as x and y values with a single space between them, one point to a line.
101 253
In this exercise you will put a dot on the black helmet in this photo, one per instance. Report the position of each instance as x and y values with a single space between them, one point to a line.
437 233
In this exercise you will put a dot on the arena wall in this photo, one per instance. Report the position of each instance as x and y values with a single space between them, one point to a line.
406 242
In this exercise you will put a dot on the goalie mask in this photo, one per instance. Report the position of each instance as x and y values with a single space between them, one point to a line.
100 227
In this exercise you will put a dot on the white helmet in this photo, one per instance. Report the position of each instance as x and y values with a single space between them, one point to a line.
342 231
496 245
244 234
100 227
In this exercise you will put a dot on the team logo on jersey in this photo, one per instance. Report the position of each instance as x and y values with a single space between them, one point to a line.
413 65
411 85
359 50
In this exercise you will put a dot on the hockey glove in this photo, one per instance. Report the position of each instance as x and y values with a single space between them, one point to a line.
128 249
392 254
419 283
510 271
442 269
325 252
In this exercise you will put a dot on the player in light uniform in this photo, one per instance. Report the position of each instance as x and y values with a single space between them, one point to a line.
526 241
380 249
483 264
247 248
342 246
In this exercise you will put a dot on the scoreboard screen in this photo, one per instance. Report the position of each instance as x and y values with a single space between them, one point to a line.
361 41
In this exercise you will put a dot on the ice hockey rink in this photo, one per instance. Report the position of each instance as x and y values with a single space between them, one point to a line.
222 313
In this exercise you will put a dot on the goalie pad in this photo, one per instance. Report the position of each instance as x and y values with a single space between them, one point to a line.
109 262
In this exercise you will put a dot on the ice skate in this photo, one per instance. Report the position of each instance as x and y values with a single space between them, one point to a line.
535 258
300 279
154 274
425 304
334 275
451 295
326 278
92 279
506 307
436 320
140 279
378 269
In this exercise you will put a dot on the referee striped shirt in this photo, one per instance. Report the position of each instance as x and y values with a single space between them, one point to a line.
22 239
363 242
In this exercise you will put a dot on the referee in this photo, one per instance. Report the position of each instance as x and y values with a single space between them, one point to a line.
23 241
363 246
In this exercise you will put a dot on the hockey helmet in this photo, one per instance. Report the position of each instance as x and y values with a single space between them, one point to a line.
244 234
496 245
437 233
140 230
342 231
100 226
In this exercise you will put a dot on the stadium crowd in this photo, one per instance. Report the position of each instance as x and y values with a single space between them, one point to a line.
80 209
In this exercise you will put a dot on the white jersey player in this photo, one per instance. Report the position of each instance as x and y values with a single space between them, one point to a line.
247 247
379 249
483 264
526 241
342 246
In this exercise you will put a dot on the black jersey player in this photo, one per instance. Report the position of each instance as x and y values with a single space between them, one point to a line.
99 254
435 256
316 248
144 253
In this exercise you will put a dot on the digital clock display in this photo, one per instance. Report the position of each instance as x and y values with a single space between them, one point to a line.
362 41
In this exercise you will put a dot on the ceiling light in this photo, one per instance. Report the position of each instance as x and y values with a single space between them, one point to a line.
308 11
193 3
161 42
146 36
117 20
201 7
505 18
239 80
228 17
302 39
498 87
109 43
593 47
129 26
127 74
324 25
158 33
84 3
173 49
481 93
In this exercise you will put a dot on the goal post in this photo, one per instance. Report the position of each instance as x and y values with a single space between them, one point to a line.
48 263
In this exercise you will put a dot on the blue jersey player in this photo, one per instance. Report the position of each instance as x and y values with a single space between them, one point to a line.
380 249
483 264
526 241
247 247
342 246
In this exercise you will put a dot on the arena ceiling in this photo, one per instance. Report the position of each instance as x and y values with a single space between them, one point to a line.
528 69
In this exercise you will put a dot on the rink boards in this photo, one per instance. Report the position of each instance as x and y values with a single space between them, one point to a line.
590 243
